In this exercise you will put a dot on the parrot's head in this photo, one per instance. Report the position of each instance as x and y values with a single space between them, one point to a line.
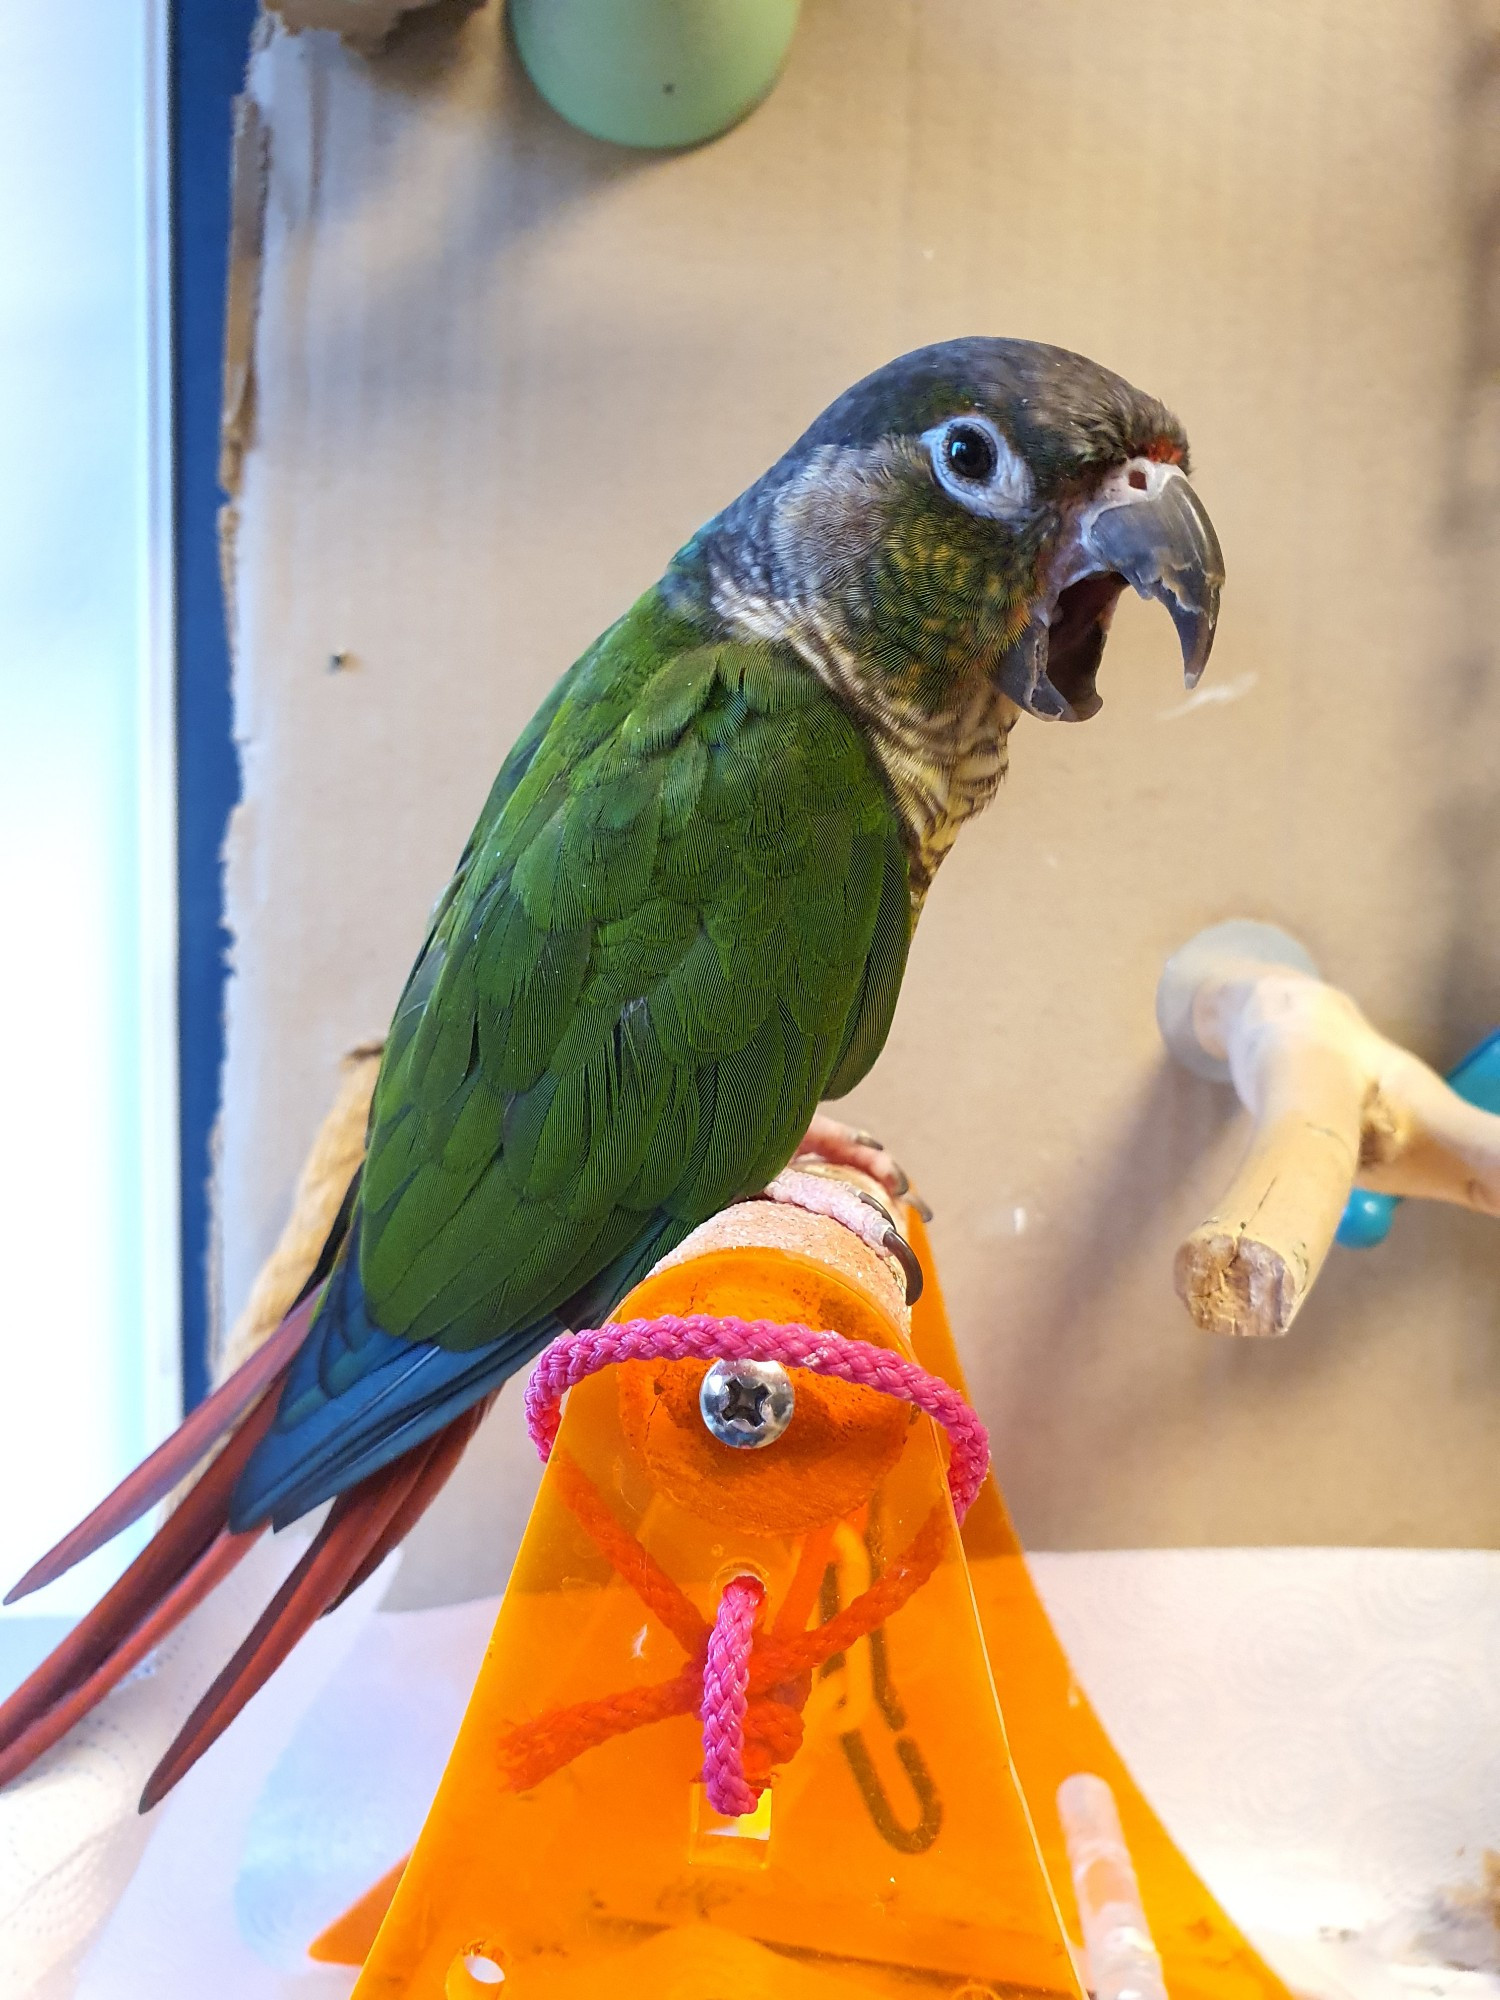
966 517
944 548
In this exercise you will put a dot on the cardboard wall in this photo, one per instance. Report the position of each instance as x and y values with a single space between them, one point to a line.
495 373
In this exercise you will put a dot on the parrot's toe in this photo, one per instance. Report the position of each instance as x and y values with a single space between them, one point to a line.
841 1145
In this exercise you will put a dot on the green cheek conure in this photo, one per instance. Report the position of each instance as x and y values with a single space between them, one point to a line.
680 923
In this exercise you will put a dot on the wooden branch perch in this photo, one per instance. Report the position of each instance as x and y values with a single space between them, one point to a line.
1331 1100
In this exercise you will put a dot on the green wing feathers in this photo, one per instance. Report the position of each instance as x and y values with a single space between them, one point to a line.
681 921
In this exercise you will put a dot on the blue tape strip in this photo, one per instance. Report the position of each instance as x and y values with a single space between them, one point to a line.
208 55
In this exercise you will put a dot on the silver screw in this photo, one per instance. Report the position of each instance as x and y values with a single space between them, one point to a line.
747 1403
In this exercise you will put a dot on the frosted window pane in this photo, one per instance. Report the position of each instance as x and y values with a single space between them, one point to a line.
87 1332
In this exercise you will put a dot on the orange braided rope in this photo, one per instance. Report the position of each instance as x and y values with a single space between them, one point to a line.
632 1563
779 1665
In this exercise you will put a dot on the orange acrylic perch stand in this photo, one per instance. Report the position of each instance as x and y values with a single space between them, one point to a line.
571 1851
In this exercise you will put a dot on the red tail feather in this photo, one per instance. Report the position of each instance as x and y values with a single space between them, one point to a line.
193 1550
356 1522
445 1452
107 1636
155 1476
217 1560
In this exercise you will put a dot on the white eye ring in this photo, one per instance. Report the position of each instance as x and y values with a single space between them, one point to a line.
1002 489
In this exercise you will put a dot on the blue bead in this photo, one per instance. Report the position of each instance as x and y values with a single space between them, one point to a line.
1367 1220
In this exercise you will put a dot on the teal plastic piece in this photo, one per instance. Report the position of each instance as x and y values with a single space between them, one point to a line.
653 72
1367 1218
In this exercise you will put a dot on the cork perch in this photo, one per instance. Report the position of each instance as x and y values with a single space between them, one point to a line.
337 1151
1331 1100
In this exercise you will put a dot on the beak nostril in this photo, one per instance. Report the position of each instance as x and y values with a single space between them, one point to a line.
1136 478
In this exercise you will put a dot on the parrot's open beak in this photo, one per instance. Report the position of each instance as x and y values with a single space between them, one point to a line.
1146 527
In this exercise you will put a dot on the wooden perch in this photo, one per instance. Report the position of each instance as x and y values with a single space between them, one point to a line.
1331 1100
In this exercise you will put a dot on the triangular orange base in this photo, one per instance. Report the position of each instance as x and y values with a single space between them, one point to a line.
892 1852
898 1857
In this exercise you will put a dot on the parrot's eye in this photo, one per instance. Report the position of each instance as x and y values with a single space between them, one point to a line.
970 452
978 467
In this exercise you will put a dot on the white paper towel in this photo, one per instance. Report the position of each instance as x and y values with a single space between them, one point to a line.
1320 1729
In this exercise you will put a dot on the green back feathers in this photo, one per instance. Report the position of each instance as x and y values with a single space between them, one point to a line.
681 921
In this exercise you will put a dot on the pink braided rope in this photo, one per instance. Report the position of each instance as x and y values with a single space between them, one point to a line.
726 1674
726 1697
574 1356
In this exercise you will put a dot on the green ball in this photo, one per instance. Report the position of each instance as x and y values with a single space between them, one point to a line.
653 72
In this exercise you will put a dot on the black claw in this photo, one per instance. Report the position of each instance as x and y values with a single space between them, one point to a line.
874 1201
923 1208
901 1179
898 1247
907 1258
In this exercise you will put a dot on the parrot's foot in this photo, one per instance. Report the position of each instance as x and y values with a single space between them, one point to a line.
841 1145
865 1214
